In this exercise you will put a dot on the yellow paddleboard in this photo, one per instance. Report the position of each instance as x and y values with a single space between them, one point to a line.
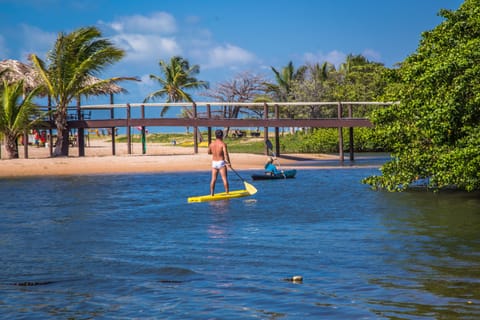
220 196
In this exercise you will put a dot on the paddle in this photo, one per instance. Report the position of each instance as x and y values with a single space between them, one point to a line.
270 148
251 189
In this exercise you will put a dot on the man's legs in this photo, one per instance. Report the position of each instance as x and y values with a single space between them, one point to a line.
213 181
223 173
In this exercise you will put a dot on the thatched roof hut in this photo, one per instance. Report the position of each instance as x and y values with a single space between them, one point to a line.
14 70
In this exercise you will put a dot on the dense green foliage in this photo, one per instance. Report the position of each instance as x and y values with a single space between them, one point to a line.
357 79
360 80
434 132
326 141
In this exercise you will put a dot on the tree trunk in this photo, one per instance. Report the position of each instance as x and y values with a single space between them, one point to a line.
62 144
11 147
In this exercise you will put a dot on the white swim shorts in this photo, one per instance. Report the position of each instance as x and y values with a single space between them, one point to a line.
218 164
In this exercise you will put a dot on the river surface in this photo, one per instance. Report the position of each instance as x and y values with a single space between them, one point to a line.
131 247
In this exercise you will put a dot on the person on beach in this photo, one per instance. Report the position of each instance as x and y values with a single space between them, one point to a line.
271 168
220 161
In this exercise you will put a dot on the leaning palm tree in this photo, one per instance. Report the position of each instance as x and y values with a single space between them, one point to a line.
17 114
178 76
74 58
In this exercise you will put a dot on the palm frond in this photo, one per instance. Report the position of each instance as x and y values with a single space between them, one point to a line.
178 76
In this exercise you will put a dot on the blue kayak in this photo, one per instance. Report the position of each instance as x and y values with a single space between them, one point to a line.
286 174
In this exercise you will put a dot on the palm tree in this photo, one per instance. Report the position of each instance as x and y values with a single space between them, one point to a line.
285 78
74 59
17 114
321 72
178 76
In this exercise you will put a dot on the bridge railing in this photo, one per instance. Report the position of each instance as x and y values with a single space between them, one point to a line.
301 110
342 114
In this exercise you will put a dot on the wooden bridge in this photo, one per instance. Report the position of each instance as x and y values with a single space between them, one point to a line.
211 115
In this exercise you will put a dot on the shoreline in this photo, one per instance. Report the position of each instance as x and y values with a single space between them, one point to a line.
159 158
96 165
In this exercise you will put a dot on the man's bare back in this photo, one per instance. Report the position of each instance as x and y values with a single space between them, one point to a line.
218 150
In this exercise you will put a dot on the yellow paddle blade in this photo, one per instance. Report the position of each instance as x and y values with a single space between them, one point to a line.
251 189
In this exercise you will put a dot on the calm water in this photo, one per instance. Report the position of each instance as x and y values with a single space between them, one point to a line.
131 247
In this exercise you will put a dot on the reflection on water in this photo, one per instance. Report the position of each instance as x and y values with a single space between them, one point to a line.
219 206
131 246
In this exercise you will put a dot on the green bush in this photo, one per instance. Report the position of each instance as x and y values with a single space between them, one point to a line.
325 140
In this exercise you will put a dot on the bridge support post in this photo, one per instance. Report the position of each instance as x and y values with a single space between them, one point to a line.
209 129
350 132
144 137
340 133
112 116
129 130
80 133
265 129
195 130
277 134
81 142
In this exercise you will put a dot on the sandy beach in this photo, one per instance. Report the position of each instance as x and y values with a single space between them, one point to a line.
158 158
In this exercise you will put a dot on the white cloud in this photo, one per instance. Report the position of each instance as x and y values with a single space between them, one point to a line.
145 48
334 57
147 39
156 23
372 55
228 56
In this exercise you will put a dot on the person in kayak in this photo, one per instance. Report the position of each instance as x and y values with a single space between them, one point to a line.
220 161
270 168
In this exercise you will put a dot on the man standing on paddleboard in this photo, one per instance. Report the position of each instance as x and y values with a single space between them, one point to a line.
220 161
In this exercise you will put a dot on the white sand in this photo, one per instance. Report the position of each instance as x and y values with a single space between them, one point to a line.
99 160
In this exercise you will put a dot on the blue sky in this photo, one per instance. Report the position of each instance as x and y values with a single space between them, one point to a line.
224 37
